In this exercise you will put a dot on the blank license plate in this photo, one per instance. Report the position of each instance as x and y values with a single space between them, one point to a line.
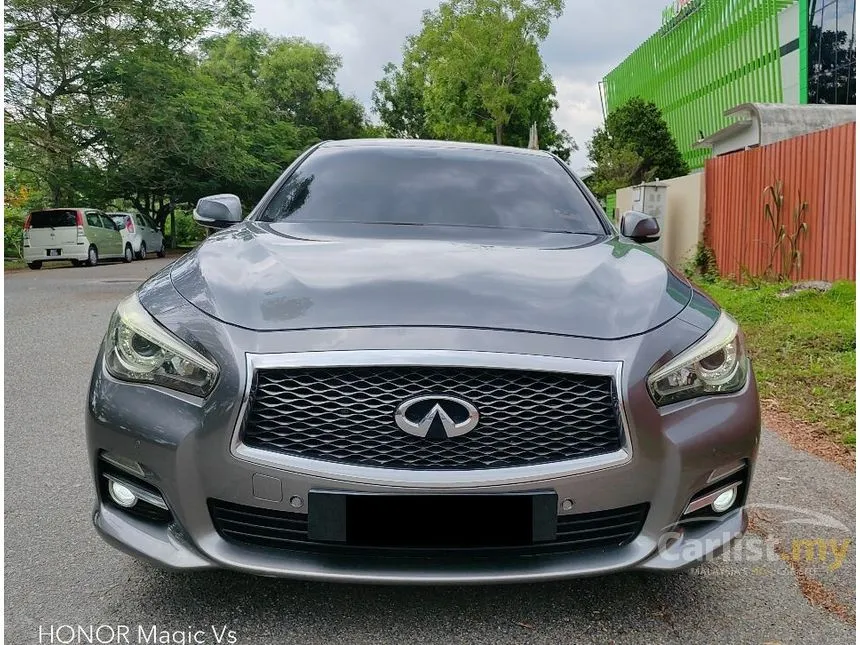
54 252
441 521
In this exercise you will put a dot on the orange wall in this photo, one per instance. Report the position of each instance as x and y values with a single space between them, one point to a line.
821 166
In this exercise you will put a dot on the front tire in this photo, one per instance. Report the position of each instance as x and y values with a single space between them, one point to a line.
141 254
92 256
35 265
128 256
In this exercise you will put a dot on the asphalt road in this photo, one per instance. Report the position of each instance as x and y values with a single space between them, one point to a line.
58 572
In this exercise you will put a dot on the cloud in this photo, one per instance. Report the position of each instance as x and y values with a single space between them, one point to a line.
365 33
590 38
579 113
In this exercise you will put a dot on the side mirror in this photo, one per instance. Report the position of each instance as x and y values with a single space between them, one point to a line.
640 227
218 211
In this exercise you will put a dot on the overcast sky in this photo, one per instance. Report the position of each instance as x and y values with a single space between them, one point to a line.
585 43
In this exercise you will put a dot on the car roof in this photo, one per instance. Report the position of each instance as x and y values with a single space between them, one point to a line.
430 144
63 208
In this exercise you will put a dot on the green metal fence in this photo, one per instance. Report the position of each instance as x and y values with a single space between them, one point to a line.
718 54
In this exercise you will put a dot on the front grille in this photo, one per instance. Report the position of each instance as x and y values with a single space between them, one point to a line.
346 415
273 529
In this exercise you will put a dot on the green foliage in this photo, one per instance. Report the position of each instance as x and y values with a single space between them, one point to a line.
803 349
398 99
18 199
618 165
474 73
188 232
133 101
229 120
61 80
634 146
13 233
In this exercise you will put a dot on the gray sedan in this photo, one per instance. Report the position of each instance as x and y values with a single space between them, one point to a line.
422 362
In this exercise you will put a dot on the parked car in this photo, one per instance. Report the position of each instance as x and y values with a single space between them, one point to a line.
422 362
141 232
82 235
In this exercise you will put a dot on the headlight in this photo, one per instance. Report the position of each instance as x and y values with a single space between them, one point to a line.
138 349
717 363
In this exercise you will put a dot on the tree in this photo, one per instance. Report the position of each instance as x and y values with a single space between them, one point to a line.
634 146
59 64
618 166
398 99
297 79
132 101
474 72
228 120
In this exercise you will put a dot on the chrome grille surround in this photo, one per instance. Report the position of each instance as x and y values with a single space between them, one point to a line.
430 478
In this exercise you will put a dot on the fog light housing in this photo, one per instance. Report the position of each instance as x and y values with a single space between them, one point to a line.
121 494
724 500
123 463
136 496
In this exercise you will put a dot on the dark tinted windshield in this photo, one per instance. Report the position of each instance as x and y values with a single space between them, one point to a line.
53 219
442 186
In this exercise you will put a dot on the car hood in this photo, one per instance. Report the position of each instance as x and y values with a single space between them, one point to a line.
302 276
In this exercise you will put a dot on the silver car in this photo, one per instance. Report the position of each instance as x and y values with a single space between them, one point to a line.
141 232
422 362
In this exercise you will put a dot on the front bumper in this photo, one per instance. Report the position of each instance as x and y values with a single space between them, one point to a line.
187 450
168 547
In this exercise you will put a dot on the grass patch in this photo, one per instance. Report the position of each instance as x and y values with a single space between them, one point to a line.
803 350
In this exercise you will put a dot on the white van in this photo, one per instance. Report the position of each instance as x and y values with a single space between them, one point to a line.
82 235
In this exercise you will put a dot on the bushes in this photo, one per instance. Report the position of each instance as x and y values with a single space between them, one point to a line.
188 232
13 232
702 265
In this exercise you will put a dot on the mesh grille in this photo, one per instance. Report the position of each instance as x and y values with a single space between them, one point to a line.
346 415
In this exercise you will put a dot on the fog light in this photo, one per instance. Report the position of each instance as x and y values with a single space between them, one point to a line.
724 500
121 494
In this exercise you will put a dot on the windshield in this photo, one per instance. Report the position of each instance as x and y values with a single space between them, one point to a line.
53 219
433 186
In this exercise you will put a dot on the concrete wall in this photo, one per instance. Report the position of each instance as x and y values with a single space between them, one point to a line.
685 216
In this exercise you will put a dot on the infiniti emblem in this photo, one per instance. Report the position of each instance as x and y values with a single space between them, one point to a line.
436 417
